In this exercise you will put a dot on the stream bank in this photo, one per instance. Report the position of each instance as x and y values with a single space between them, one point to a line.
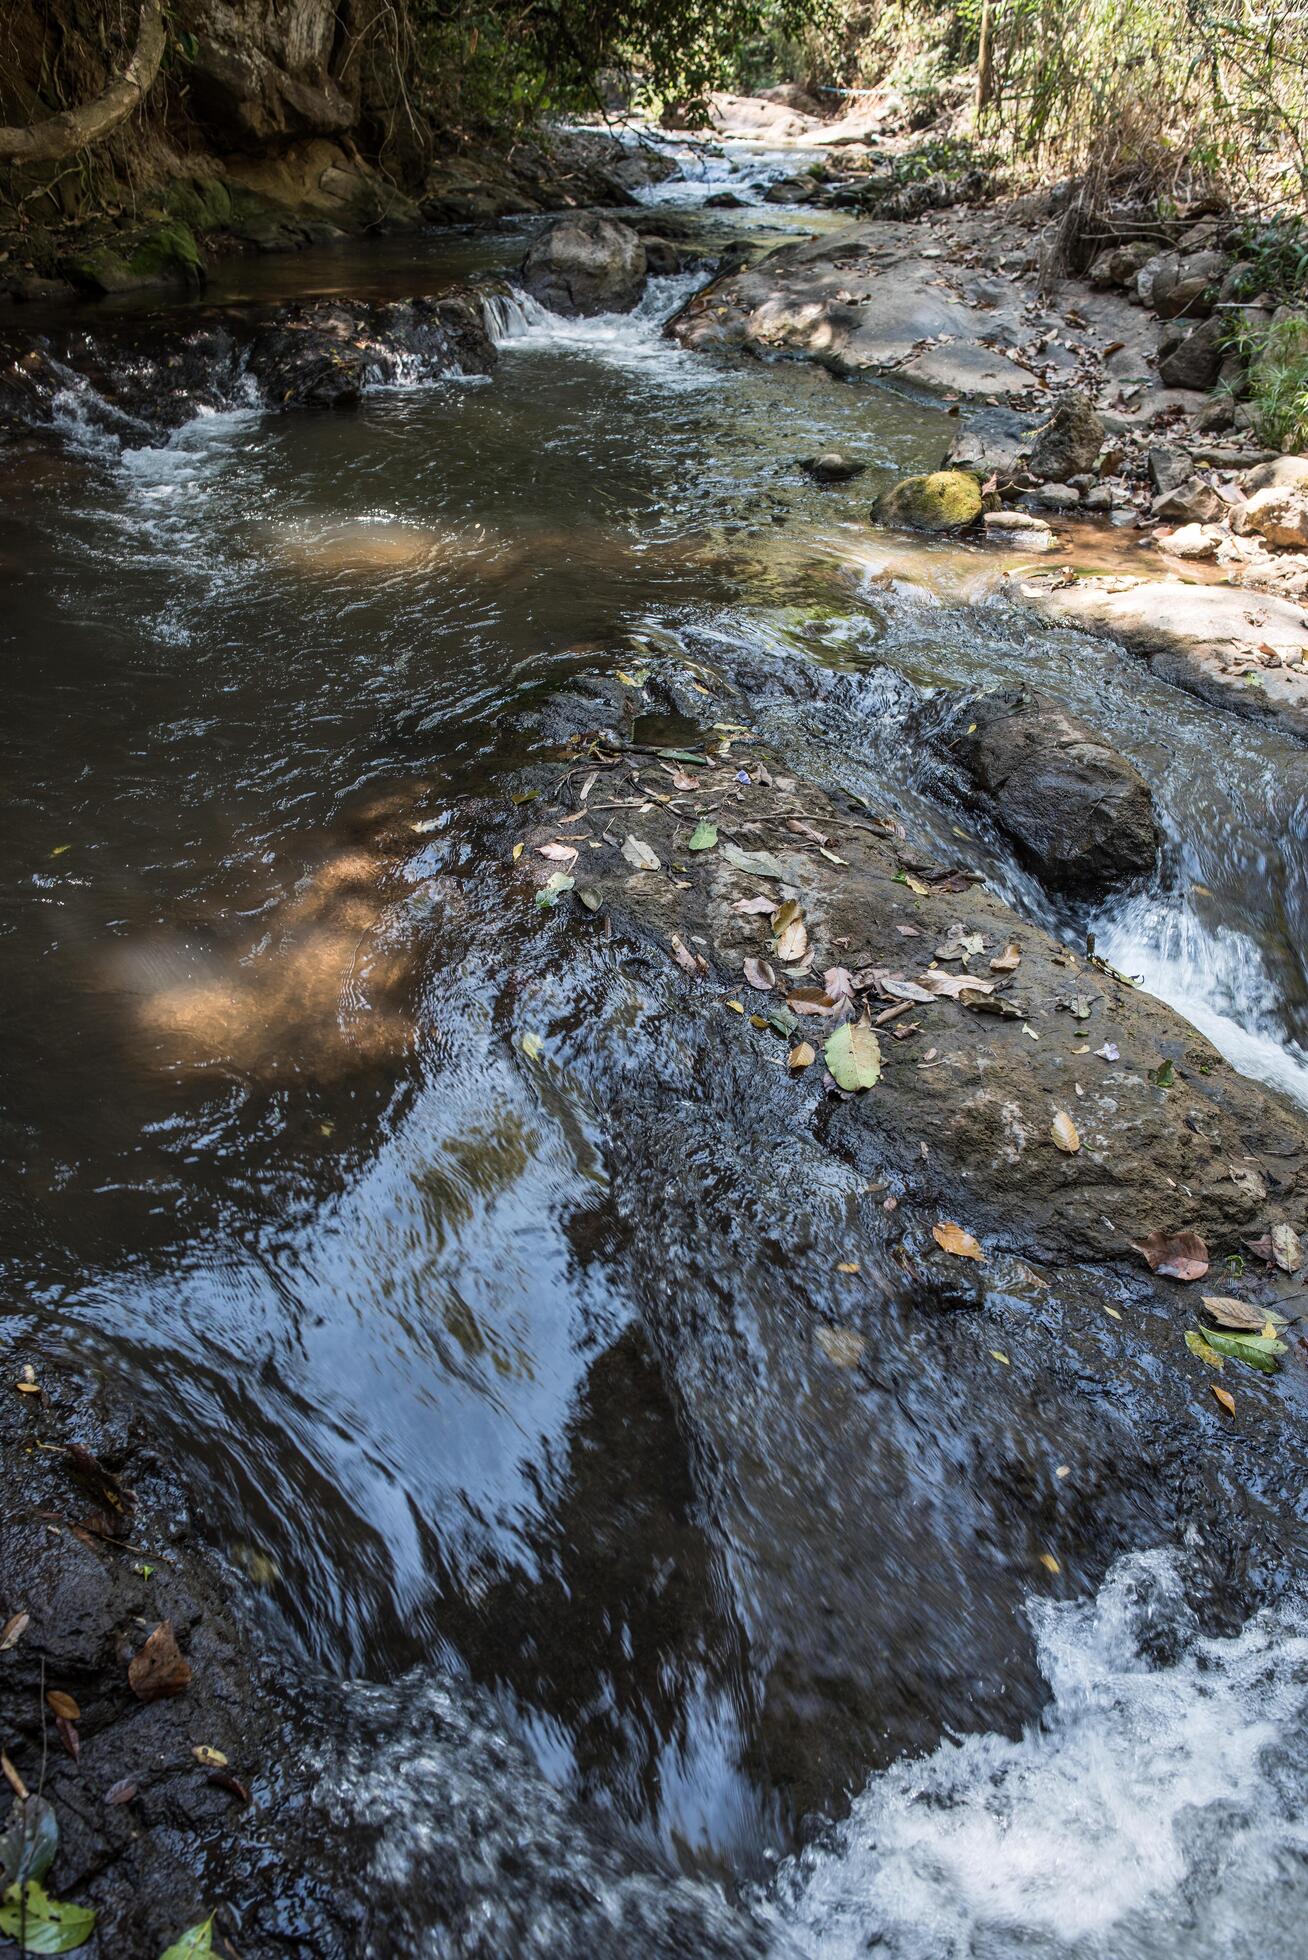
645 1529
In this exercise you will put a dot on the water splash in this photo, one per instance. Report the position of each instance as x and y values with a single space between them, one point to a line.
1152 1812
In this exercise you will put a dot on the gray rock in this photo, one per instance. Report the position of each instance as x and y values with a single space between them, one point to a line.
1077 811
1054 496
586 264
790 190
1019 529
1119 265
1193 541
1098 499
991 442
1192 359
1068 444
1167 467
1277 473
1191 500
1186 288
831 467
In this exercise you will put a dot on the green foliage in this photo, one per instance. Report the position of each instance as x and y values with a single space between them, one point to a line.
507 60
1277 358
1277 257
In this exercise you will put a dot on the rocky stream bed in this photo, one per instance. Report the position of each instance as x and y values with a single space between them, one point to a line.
626 1329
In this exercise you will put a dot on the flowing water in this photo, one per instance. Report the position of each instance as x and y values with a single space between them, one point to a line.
270 1159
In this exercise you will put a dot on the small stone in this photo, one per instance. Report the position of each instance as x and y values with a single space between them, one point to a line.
1193 499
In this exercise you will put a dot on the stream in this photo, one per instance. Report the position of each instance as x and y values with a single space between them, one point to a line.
271 1162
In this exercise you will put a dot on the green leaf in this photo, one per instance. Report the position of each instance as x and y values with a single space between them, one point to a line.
557 883
28 1847
1258 1350
783 1020
40 1924
1199 1346
1165 1076
761 864
194 1943
703 837
853 1054
682 755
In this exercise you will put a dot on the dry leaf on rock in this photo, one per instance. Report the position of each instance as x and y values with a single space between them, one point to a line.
559 853
792 943
1238 1314
954 985
952 1238
1009 960
801 1056
640 855
1287 1250
853 1055
64 1705
1225 1397
13 1630
1064 1132
749 906
759 974
1179 1255
160 1669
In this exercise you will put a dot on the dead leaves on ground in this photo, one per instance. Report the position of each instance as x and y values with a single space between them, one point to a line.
853 1055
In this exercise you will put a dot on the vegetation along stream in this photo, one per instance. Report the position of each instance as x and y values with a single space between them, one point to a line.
657 1537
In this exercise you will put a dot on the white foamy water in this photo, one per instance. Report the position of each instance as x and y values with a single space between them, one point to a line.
1155 1813
1213 975
517 322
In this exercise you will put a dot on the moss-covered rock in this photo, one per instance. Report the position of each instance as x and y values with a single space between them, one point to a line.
98 269
168 252
946 500
202 203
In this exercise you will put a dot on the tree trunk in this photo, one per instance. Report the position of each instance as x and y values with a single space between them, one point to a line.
59 136
985 60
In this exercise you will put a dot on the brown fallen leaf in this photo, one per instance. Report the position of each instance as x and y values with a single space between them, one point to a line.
1064 1132
801 1056
849 1266
558 853
27 1384
64 1705
760 975
160 1669
688 962
1179 1255
1236 1314
954 985
1009 960
211 1758
748 907
1224 1396
224 1780
69 1737
792 944
811 1000
121 1792
953 1239
13 1630
838 983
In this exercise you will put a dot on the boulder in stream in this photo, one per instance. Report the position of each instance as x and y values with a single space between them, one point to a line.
1068 444
586 264
1078 812
945 500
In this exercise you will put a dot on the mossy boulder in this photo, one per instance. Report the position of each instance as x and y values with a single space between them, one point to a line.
99 269
946 500
168 252
202 203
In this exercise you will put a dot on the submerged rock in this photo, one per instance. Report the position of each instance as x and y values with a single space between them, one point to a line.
946 500
832 467
586 264
1079 813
